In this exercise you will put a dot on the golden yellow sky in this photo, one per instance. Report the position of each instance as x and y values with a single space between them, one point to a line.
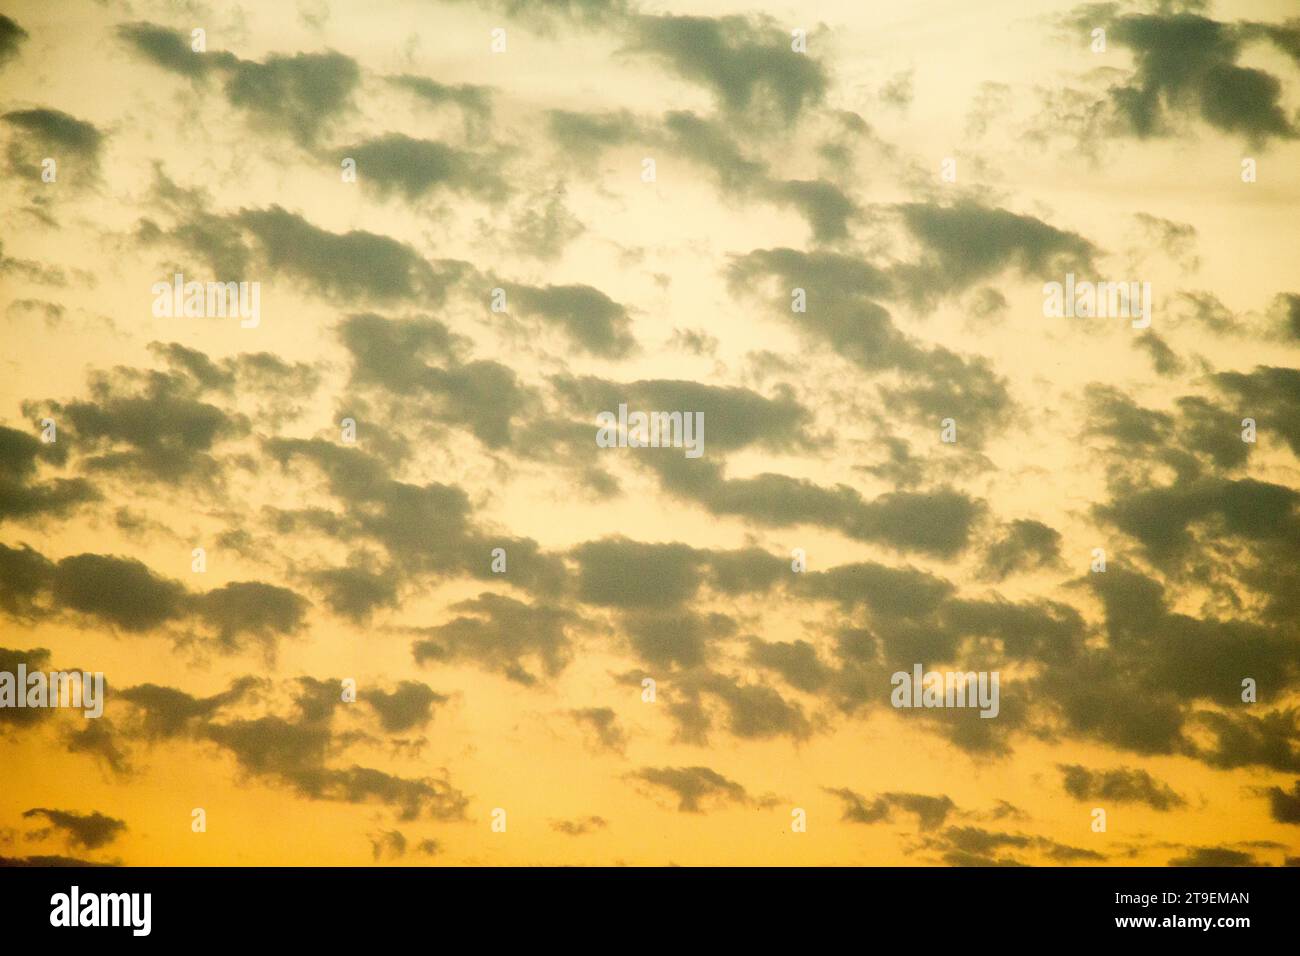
523 169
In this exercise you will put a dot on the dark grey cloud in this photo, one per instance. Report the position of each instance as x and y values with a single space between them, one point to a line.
1214 856
1122 785
293 751
1270 395
584 136
474 102
300 93
388 843
1025 545
162 713
734 417
120 591
619 572
696 787
73 143
1187 65
425 529
842 314
99 739
249 609
750 711
356 592
350 265
156 429
420 356
169 49
579 827
36 659
713 144
1284 806
412 168
747 62
1164 359
1288 308
591 320
796 662
89 831
129 596
1162 519
603 724
965 242
975 846
1270 740
937 522
408 706
22 494
501 634
46 861
12 37
930 811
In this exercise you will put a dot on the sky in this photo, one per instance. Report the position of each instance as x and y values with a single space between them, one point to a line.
365 586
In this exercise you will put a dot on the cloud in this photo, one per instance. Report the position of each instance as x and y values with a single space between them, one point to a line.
42 134
964 243
21 496
1187 64
120 591
1163 358
1285 807
710 142
695 787
975 846
1270 395
735 417
1026 546
579 827
842 315
413 168
1122 785
294 750
155 430
407 707
796 662
356 592
1215 856
36 659
604 726
747 62
301 93
388 843
501 634
584 136
930 811
89 831
591 320
12 36
474 101
167 712
351 265
127 595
